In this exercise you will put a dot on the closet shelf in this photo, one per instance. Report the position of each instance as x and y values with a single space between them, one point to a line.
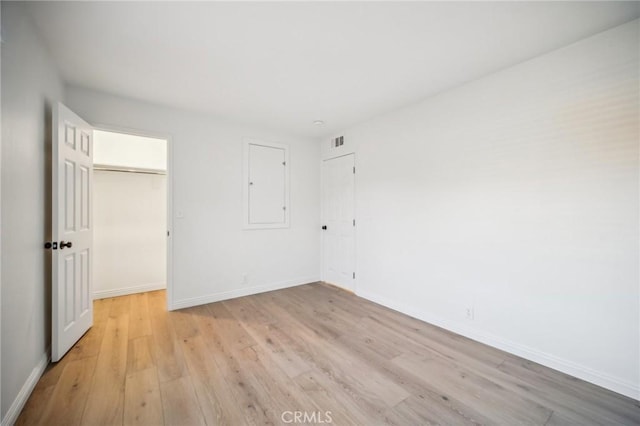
126 169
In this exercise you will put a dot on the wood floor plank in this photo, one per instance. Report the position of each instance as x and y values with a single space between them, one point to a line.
344 367
429 336
477 392
157 302
355 386
371 340
165 350
101 309
311 349
236 379
557 419
247 309
319 354
366 378
570 398
429 393
207 381
226 341
275 390
67 403
139 319
252 321
139 354
53 371
87 346
179 403
283 303
342 397
235 335
32 411
142 402
120 306
416 410
106 398
183 324
335 403
511 382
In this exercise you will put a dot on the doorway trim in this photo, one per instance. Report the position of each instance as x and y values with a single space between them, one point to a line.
167 137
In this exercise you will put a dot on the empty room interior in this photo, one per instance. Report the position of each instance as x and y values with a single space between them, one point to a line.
350 213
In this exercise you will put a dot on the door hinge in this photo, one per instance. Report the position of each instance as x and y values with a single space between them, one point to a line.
354 170
354 275
284 163
168 233
354 222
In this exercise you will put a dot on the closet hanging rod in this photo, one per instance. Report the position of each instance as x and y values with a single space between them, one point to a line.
141 170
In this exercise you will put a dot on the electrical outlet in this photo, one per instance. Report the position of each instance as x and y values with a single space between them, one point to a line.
470 313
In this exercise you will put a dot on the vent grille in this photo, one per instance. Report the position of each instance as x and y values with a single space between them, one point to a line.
337 142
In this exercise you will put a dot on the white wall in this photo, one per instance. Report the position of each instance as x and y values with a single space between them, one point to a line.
516 195
30 85
125 150
1 32
130 233
211 252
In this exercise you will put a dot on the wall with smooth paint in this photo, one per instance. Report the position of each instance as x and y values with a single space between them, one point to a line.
515 196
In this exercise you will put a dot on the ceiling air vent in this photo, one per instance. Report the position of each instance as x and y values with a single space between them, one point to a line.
337 142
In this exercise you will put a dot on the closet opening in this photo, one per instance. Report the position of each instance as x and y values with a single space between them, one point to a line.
129 214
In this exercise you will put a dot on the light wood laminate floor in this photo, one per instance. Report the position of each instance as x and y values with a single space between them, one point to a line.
313 349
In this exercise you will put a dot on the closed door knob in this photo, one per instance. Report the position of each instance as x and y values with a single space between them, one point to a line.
67 244
324 227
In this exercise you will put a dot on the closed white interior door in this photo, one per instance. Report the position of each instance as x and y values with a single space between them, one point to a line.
338 214
72 169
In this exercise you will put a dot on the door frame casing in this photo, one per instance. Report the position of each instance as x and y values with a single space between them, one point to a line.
355 216
166 137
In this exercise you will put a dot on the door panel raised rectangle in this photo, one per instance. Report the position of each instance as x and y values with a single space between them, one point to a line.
69 289
85 197
69 196
85 143
70 135
85 297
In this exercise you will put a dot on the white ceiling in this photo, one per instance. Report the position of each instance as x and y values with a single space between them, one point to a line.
283 65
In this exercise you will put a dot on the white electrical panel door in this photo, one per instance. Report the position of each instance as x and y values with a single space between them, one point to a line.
267 186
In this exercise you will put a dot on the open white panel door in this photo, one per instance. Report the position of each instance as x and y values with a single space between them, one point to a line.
72 169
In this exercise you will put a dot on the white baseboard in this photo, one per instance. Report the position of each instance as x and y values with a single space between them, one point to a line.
22 397
103 294
247 291
587 374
